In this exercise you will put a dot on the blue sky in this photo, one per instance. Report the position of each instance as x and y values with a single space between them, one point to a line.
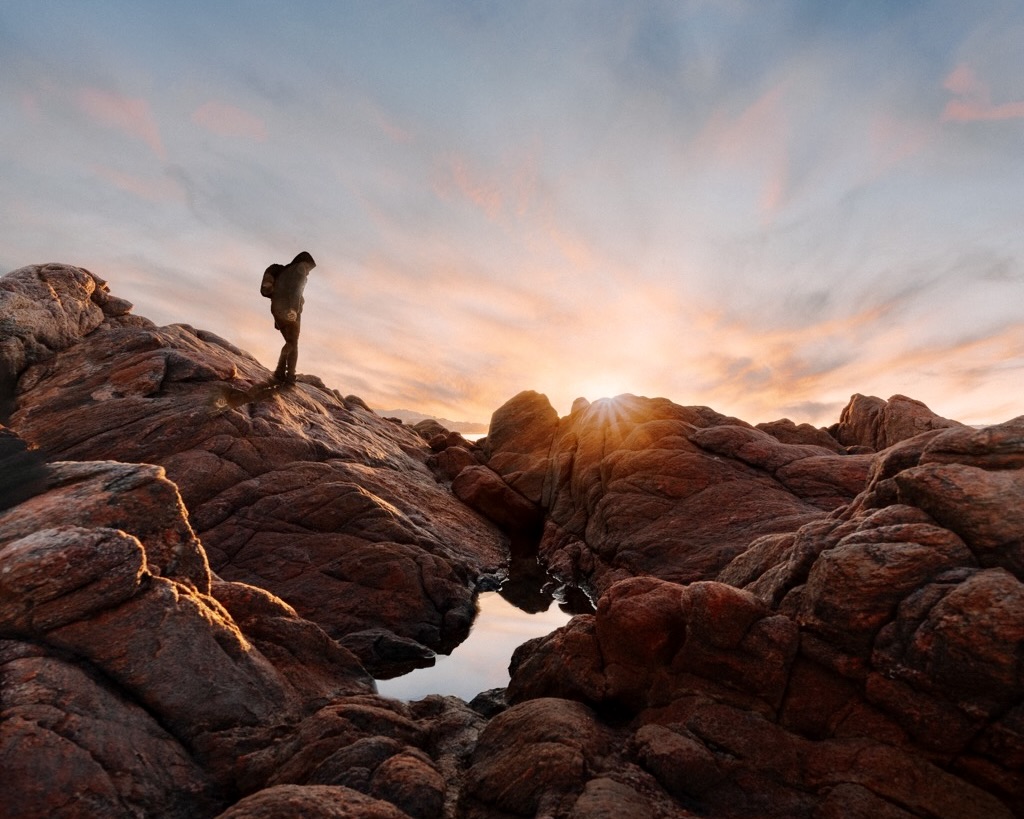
759 206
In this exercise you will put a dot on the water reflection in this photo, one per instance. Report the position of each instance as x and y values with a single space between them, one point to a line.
530 603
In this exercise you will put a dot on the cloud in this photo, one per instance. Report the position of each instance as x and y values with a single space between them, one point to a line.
973 100
456 178
895 139
131 116
227 120
152 189
755 138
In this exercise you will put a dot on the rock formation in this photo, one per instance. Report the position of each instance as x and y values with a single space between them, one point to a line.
864 661
640 486
790 622
306 494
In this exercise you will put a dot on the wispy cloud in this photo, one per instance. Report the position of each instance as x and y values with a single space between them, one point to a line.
457 178
130 115
226 120
755 139
759 213
161 188
972 100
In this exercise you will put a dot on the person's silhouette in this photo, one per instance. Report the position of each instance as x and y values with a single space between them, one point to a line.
283 285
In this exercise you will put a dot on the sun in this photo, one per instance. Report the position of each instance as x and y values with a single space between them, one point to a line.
604 386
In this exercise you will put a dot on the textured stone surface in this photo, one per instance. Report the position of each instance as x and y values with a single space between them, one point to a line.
644 486
480 488
783 630
870 422
313 801
136 498
304 493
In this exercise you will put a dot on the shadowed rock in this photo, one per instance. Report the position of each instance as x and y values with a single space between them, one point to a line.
644 486
844 640
306 494
23 472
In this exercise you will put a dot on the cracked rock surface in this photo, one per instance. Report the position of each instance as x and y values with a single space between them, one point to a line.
790 622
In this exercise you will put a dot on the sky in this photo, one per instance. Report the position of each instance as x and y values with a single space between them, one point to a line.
755 205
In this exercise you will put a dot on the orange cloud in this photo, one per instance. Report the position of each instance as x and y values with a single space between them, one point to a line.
153 189
973 101
457 178
757 136
230 121
129 115
510 188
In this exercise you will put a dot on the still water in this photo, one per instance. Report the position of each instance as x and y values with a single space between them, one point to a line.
481 662
529 604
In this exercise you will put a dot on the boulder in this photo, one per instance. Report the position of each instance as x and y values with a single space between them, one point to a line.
134 498
652 642
868 421
72 744
143 688
301 492
532 758
480 488
451 460
787 432
644 486
313 801
519 441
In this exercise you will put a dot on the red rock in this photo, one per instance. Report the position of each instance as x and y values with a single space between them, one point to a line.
789 433
855 587
532 756
981 507
607 798
131 497
966 647
480 488
653 642
56 305
644 486
57 576
70 745
678 759
996 447
312 801
314 665
452 460
871 422
293 493
519 442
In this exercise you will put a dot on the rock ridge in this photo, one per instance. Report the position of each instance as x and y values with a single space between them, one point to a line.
790 622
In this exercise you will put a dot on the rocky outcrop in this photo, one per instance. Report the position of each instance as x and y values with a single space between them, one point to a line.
643 486
870 422
789 433
866 664
785 626
303 493
126 686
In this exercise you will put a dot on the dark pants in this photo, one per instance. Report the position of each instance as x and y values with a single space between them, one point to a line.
289 352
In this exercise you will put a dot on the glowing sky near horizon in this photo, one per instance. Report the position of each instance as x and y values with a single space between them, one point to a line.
759 206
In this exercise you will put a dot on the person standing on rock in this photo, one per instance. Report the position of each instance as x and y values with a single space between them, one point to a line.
283 285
